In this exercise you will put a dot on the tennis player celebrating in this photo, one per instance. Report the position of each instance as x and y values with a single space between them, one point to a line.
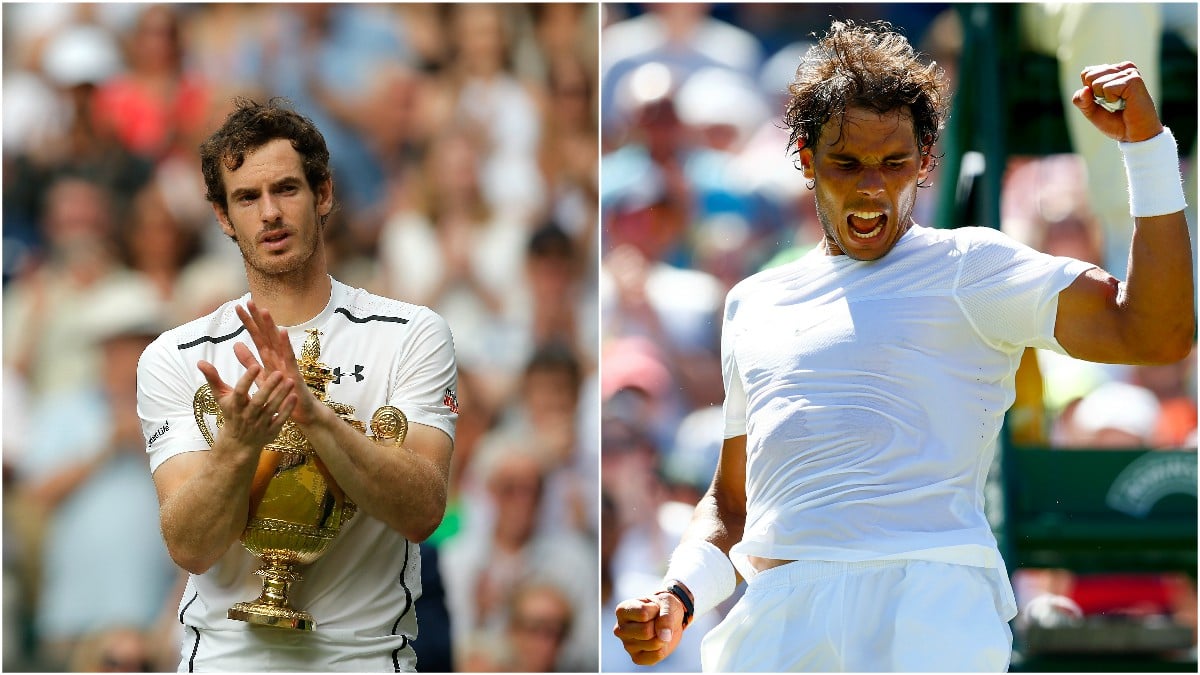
267 175
866 384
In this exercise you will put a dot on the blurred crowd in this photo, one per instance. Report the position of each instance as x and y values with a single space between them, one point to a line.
699 191
465 163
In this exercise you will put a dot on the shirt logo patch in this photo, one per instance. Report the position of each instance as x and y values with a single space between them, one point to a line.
357 374
450 400
158 434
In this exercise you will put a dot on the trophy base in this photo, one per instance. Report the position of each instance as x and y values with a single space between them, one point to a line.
266 615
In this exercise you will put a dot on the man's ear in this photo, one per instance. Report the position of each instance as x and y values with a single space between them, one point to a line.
806 163
926 163
223 219
324 194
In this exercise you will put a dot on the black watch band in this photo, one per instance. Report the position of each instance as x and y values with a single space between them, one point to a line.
688 608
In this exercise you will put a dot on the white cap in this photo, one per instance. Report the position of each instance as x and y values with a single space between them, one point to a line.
1117 405
126 307
82 55
721 96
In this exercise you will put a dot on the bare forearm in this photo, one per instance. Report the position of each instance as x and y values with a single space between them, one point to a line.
716 522
207 513
1160 294
391 483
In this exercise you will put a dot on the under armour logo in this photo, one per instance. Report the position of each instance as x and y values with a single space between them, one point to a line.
358 376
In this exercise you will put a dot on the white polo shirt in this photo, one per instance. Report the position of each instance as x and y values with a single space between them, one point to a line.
361 591
872 393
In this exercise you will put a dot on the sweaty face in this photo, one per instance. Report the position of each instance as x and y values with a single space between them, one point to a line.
273 214
866 166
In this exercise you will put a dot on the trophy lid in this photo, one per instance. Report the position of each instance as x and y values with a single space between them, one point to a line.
316 374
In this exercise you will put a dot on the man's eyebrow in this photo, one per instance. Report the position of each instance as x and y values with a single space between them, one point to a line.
844 157
282 182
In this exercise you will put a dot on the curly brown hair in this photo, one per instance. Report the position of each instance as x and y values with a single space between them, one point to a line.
868 65
252 125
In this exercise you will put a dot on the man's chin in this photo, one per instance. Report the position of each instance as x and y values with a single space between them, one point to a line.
865 253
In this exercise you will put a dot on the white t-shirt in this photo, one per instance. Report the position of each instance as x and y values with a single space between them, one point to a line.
872 393
361 591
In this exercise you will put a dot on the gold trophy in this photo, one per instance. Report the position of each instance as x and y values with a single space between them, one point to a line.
296 507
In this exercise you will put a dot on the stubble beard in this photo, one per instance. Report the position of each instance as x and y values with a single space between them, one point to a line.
274 269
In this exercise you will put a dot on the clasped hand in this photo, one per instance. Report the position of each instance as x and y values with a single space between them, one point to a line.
253 421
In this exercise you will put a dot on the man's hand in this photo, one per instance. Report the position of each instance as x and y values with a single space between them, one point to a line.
650 628
1138 121
251 421
275 350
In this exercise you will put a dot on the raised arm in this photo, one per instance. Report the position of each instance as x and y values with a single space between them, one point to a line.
1150 317
651 627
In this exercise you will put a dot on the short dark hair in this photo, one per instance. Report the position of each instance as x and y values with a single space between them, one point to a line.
550 241
869 65
252 125
555 356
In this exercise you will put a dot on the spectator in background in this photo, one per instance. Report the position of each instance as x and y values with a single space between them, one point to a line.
674 307
636 388
158 102
495 109
155 244
449 249
683 36
483 565
1175 388
88 479
568 155
544 417
61 136
1114 415
219 47
43 336
561 308
539 622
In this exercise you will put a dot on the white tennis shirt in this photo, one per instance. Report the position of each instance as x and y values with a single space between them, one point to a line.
383 352
872 393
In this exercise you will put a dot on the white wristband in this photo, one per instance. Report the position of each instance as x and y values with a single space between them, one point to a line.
1152 169
705 570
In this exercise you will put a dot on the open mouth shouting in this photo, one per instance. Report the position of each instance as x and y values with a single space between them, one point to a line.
866 225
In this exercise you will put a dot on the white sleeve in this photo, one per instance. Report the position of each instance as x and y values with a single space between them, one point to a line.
424 379
164 404
1009 291
735 395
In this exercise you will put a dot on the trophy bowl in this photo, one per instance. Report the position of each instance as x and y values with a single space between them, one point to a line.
296 507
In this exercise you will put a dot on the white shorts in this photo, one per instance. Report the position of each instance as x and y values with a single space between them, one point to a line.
267 649
879 616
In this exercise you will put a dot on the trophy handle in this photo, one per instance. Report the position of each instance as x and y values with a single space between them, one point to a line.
204 403
389 425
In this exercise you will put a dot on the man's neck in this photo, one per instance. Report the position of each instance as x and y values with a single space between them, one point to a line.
291 299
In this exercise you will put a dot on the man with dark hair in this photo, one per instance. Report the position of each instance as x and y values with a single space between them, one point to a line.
866 384
267 175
